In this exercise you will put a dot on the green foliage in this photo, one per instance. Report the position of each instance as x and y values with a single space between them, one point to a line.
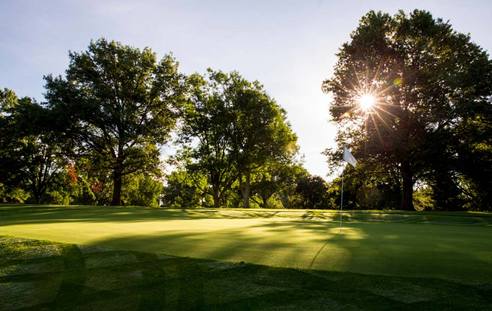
313 192
232 128
186 189
97 139
85 182
366 188
59 197
432 87
9 163
142 190
277 182
106 118
117 104
423 199
30 156
12 195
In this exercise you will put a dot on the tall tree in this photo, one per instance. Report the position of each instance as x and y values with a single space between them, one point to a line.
186 189
206 131
276 179
119 103
427 80
30 154
234 127
260 133
8 139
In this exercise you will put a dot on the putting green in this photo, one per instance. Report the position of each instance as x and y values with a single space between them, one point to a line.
454 246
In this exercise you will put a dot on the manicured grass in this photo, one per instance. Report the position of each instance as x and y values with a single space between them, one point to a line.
451 246
42 275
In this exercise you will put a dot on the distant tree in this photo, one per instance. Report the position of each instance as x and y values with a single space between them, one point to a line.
143 190
94 183
30 154
473 141
368 186
260 133
9 164
206 132
234 128
430 83
118 103
288 179
277 179
313 192
186 189
265 183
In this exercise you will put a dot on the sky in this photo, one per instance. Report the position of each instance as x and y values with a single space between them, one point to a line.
289 46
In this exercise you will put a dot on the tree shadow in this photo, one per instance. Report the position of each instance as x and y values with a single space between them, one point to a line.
115 280
31 214
371 242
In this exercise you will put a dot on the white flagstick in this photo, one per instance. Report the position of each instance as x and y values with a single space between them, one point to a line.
349 158
341 207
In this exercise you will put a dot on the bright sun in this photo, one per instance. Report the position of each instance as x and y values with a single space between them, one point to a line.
366 101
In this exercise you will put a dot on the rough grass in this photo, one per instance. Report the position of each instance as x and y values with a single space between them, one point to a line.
451 246
37 275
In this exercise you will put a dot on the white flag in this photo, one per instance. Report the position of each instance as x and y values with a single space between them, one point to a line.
348 157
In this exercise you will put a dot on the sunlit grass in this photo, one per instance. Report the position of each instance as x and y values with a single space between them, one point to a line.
453 246
46 275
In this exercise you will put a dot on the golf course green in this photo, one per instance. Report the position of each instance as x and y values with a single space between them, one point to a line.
449 246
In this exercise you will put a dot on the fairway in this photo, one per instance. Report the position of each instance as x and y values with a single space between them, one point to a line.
452 246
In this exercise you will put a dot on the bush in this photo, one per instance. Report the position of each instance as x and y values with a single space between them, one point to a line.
15 195
142 190
59 197
423 199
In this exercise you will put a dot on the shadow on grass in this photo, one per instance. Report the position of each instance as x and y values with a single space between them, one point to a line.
363 248
402 244
94 278
35 214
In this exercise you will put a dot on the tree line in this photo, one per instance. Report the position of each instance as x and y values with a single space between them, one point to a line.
97 137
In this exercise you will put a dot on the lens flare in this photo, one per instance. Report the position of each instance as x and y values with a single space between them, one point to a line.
366 102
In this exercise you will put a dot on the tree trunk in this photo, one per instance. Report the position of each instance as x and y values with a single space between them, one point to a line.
407 195
284 198
37 197
37 192
245 189
216 197
264 199
117 184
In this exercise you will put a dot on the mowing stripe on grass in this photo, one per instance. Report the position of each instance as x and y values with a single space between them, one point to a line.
453 246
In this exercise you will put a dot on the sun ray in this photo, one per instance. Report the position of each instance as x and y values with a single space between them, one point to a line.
386 111
366 102
377 129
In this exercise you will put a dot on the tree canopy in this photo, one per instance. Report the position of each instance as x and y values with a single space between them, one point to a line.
411 98
233 128
119 104
429 83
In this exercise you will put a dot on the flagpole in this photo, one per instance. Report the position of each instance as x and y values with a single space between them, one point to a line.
349 158
341 206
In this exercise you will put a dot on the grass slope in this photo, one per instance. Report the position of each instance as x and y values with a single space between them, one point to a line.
452 246
41 275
